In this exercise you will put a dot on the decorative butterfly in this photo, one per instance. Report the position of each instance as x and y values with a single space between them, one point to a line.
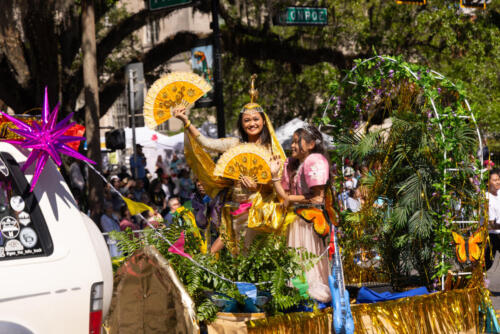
332 214
471 246
316 217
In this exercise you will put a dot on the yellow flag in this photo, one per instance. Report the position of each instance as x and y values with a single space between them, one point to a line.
136 207
189 216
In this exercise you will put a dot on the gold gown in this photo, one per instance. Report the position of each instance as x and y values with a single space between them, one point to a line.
265 214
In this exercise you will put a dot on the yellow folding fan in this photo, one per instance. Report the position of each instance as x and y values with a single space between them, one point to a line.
172 90
250 160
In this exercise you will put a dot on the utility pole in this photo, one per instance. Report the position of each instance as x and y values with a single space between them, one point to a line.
91 92
131 75
134 75
219 98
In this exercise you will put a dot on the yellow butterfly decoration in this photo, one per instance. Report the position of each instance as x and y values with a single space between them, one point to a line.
471 246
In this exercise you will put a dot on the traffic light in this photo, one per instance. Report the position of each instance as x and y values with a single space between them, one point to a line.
115 140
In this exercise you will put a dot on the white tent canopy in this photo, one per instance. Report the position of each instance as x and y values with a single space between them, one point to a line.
151 138
285 133
154 144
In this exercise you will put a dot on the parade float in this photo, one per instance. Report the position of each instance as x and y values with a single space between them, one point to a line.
420 234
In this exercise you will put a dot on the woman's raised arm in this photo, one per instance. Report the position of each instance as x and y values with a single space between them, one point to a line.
218 145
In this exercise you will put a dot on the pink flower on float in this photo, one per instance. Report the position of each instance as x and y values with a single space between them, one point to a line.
178 247
47 140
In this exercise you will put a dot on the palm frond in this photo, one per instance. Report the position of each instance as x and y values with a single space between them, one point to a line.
399 217
360 146
420 224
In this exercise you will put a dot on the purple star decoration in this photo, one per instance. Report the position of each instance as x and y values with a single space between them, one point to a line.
47 140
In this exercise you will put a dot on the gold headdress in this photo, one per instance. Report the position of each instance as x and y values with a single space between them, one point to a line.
254 94
252 107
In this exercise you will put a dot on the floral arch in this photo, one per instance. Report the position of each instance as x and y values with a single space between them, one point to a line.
417 138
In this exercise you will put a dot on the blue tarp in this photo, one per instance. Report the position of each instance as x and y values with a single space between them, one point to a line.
366 295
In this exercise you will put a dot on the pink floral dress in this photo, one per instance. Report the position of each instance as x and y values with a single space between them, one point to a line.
312 172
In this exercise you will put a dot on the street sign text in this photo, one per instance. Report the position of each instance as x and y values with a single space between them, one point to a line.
303 16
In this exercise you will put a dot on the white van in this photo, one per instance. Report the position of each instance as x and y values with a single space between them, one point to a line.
55 268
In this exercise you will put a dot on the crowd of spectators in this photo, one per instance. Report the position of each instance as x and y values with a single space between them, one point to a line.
353 194
166 189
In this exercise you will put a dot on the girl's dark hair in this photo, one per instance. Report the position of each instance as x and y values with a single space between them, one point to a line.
310 134
123 210
265 136
494 171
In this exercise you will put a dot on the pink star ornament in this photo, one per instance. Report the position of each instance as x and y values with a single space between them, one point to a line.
47 140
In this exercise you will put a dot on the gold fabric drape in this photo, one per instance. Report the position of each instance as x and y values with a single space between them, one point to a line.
226 229
203 166
276 148
266 213
455 311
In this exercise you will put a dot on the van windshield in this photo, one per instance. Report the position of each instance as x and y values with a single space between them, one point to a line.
23 232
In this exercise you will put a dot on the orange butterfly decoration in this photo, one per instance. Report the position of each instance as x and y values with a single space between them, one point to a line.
332 215
471 246
316 217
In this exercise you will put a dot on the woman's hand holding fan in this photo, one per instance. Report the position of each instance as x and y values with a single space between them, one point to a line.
249 183
275 165
180 113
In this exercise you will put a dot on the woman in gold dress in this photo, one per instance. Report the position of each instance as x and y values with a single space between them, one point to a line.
252 207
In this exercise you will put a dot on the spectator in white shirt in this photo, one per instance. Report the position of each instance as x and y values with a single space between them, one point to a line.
354 200
349 177
350 183
493 215
494 201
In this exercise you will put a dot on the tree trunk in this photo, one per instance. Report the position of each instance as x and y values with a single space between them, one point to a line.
91 91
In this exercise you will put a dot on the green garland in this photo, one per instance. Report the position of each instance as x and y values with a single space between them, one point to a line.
267 260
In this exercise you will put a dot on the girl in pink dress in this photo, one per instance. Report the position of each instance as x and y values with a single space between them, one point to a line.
303 182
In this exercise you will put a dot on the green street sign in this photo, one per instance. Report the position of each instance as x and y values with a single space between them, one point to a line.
411 2
303 16
160 4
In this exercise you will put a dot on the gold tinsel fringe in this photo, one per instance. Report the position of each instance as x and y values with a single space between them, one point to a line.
454 311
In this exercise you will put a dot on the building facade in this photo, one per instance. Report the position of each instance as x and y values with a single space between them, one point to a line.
150 35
